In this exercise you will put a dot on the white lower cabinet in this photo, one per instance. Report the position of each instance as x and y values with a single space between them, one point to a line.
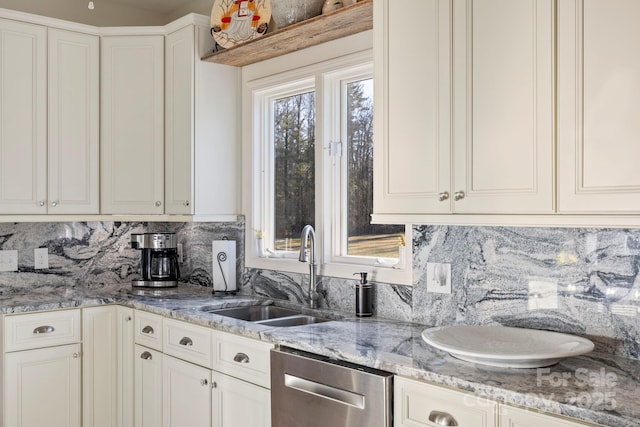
107 380
239 403
186 394
518 417
420 404
41 370
148 387
42 387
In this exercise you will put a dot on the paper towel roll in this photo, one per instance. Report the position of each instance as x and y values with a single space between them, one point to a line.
224 265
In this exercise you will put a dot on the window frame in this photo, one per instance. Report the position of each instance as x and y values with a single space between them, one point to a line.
327 79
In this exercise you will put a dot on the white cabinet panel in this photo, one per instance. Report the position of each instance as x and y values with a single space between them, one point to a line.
125 368
598 106
517 417
73 123
237 403
132 125
148 387
503 106
41 329
420 404
186 395
23 118
42 387
412 105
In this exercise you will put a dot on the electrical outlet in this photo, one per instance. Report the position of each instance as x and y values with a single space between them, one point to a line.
41 258
8 260
439 278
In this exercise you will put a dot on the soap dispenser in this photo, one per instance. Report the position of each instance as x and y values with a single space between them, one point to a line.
364 296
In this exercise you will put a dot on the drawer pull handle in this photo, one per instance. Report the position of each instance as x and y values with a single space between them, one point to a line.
44 330
442 418
186 341
147 330
146 356
241 358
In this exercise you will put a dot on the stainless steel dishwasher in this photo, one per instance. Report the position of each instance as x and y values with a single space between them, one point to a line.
308 390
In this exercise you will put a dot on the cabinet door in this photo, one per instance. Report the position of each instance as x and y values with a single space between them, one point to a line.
186 394
99 368
148 387
23 118
73 122
179 120
598 106
239 403
510 416
42 387
125 367
421 404
132 125
412 106
503 106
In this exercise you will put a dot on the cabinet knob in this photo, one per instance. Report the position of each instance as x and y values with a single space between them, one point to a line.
186 341
41 203
158 204
204 382
128 318
214 384
147 330
76 355
443 196
146 356
54 203
186 203
458 195
442 419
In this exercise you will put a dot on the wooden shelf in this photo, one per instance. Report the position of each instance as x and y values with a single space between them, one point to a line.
333 25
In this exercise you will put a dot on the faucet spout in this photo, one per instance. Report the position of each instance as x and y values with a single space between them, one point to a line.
308 238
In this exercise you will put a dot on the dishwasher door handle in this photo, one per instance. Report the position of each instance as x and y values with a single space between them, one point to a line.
325 391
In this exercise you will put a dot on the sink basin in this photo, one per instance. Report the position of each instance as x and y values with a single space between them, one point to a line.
506 346
268 315
253 313
293 321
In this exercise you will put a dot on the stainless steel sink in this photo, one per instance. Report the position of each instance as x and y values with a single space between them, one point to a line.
267 315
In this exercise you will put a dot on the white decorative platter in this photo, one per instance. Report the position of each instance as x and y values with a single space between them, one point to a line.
506 347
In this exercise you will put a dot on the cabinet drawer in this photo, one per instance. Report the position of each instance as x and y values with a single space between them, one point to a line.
36 330
148 330
420 404
242 358
188 342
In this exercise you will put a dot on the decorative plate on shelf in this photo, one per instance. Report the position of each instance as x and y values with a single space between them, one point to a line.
237 21
506 346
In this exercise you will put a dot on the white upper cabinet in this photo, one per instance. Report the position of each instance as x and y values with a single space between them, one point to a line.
74 101
412 158
132 126
201 127
23 118
503 106
464 106
598 106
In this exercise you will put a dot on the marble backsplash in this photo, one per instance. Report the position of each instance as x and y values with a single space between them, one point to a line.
495 271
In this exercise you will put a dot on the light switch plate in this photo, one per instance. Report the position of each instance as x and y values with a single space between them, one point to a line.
41 258
439 277
8 260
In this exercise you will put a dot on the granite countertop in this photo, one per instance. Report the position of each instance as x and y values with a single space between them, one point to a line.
597 388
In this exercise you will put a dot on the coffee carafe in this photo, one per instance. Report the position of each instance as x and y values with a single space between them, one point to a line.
158 260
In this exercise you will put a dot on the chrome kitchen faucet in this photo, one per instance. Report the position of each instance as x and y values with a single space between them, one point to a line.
310 257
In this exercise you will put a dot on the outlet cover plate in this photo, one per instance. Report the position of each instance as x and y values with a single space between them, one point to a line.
41 258
9 260
439 277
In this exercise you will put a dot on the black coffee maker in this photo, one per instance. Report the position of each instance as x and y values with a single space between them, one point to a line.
158 260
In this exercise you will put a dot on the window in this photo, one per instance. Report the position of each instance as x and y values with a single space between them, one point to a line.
311 159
